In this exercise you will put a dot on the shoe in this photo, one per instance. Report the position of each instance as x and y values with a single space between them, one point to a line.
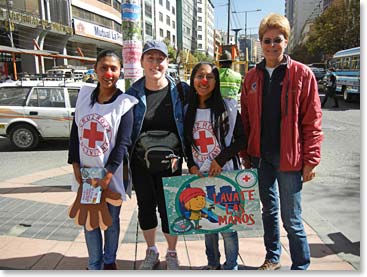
172 261
268 265
211 267
110 266
151 260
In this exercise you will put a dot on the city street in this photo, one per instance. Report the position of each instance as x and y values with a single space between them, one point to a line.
331 202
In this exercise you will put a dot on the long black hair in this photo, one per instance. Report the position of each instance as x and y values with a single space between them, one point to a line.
100 56
214 102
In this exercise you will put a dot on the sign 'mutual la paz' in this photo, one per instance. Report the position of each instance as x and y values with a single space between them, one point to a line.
229 201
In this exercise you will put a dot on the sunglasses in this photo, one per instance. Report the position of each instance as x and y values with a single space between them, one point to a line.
272 41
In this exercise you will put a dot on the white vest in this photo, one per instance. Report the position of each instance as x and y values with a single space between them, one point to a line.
97 130
203 134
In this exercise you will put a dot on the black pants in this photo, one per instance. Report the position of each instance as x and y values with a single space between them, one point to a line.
330 93
150 195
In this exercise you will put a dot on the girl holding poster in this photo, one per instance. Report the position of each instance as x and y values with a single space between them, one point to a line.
213 136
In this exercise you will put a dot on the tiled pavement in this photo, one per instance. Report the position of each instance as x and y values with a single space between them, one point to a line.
36 233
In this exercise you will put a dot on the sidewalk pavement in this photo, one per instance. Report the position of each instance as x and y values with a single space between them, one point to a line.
36 233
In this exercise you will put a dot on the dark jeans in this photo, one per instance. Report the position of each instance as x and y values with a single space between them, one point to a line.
284 188
150 195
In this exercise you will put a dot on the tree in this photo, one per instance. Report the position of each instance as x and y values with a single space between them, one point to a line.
171 50
336 29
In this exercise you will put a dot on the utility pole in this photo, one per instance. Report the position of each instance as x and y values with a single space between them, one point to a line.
132 40
9 3
229 20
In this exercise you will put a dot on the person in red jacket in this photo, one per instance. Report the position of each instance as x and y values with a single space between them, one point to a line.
281 113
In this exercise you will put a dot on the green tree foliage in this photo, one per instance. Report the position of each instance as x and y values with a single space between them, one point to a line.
202 57
171 50
336 29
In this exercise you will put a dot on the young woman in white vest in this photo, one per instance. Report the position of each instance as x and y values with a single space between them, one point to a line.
218 119
100 137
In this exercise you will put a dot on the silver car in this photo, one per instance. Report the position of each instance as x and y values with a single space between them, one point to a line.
31 111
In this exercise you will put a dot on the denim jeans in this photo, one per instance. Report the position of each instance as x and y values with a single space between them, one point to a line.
275 185
98 257
230 248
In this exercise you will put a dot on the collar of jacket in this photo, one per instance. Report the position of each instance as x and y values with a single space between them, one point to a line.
286 62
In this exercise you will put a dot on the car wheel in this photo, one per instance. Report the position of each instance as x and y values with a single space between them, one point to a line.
24 137
346 96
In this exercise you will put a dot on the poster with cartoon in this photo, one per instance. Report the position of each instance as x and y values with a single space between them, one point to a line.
229 201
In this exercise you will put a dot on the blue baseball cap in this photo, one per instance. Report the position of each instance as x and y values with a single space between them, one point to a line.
155 45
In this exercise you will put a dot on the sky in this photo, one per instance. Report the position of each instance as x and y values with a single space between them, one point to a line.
238 19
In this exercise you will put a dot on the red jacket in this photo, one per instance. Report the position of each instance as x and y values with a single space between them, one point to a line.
301 134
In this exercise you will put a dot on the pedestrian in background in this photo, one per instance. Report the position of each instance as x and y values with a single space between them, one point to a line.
230 80
219 120
100 137
281 112
159 109
331 89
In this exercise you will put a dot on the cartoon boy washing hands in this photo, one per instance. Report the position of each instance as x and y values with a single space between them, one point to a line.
193 199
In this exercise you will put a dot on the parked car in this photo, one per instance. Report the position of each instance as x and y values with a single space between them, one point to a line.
319 72
32 111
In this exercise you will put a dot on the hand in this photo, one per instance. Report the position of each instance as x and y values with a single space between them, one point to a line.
103 183
174 164
195 170
94 215
308 173
215 169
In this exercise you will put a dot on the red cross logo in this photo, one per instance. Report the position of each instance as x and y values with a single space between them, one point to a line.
203 142
92 135
246 178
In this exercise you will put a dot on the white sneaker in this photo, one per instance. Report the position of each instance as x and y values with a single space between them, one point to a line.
151 260
172 261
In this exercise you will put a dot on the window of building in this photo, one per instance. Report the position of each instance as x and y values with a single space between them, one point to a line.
200 10
107 2
148 28
173 10
200 37
59 17
200 28
161 32
92 18
117 5
173 24
168 35
200 46
148 10
27 6
188 31
161 2
200 19
168 5
168 20
174 39
160 17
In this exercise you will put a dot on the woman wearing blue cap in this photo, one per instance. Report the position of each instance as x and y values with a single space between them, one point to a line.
160 110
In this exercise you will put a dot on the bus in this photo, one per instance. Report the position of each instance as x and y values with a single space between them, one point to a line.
347 69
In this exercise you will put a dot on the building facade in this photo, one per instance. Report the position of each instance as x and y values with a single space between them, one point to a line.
205 27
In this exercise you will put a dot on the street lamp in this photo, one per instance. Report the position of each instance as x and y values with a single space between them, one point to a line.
245 12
